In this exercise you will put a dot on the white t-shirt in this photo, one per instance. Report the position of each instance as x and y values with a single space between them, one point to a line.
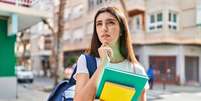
124 65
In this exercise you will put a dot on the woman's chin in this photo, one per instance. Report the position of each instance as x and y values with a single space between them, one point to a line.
106 42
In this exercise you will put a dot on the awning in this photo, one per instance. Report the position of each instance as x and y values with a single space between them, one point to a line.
26 17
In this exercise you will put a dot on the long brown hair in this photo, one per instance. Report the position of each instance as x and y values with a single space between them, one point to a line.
126 48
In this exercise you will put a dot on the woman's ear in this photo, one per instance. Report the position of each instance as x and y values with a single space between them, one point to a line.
120 34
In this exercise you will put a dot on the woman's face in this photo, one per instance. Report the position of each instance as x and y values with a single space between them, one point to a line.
107 28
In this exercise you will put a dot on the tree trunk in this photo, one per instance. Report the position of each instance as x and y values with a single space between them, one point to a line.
23 42
124 8
59 35
56 43
53 47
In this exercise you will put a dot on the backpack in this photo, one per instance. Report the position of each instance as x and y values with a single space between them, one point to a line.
64 91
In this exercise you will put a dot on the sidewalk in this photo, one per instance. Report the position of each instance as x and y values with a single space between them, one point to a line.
157 92
27 94
177 88
33 92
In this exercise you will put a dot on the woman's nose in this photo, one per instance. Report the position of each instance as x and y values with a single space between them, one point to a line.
104 28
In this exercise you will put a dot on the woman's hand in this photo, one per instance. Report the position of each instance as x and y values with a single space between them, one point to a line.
105 53
85 84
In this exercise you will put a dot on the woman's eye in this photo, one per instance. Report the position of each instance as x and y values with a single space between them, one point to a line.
98 24
111 23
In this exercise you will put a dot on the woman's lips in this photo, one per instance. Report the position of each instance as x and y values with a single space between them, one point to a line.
105 36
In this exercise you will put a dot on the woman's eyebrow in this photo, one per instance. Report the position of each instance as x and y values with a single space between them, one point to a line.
111 19
98 21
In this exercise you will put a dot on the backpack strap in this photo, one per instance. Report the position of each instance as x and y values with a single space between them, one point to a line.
60 87
91 67
91 64
72 80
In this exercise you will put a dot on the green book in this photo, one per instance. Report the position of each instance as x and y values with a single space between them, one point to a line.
123 78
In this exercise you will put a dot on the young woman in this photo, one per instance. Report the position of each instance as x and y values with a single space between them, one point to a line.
111 38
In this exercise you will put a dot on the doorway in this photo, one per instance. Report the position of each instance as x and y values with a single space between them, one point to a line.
164 68
192 69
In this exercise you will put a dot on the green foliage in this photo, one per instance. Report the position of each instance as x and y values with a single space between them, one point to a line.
71 60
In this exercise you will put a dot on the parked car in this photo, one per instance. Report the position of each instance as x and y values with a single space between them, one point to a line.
24 75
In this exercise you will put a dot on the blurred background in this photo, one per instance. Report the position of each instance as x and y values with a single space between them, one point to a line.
40 41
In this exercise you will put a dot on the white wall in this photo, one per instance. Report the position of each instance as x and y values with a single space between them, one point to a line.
8 88
36 65
180 64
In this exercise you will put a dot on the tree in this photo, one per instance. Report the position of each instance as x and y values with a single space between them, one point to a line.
57 35
71 60
22 60
124 8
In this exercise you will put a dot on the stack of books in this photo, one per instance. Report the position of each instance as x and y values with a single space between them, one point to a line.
118 85
116 92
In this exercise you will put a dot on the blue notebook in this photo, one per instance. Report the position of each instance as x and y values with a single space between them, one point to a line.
124 78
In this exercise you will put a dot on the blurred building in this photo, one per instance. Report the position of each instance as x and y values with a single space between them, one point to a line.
41 40
15 16
166 34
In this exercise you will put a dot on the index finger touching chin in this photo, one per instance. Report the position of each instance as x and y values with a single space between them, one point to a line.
104 44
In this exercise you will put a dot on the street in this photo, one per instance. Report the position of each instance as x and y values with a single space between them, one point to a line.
33 92
180 97
172 93
36 92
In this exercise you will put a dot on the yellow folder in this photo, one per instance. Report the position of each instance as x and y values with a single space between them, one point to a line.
116 92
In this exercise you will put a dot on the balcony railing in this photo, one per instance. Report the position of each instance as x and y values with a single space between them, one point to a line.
25 3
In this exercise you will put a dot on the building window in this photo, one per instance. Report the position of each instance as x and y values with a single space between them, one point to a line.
78 34
136 21
156 21
91 4
94 3
159 17
77 11
67 13
99 2
48 42
169 17
67 35
89 28
152 17
172 20
198 14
